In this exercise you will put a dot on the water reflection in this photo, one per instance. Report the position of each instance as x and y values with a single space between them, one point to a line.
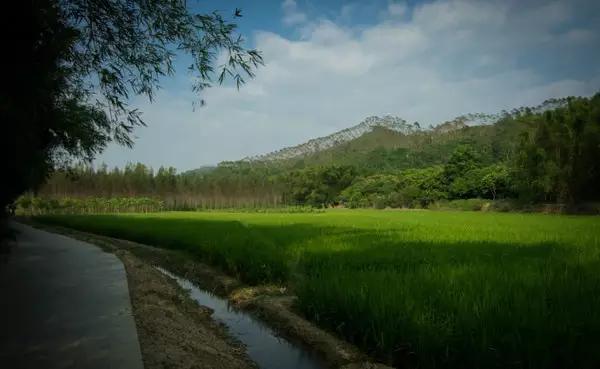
263 346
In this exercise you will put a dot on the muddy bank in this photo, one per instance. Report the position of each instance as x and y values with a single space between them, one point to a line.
271 304
263 344
174 331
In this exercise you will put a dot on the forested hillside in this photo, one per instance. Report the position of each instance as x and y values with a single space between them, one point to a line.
547 154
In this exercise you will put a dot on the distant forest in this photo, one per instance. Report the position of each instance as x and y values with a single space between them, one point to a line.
527 157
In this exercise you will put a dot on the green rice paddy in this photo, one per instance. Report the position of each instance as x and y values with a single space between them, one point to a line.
414 288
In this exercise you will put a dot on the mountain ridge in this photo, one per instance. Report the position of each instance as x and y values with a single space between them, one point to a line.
394 124
345 135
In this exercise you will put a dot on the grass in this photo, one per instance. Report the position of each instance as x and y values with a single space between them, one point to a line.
435 289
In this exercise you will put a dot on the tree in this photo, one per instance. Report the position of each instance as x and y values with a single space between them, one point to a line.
423 186
558 160
379 190
71 73
320 186
495 181
463 159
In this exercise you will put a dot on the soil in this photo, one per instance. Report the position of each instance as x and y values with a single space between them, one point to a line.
175 332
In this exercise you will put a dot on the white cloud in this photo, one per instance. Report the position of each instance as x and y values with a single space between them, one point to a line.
397 9
291 15
448 58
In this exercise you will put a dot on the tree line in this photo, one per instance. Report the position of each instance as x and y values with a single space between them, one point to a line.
221 188
555 160
76 64
529 158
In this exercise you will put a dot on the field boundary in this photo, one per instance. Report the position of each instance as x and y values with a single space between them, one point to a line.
271 304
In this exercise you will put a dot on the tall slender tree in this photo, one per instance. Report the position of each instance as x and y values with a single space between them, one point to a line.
71 67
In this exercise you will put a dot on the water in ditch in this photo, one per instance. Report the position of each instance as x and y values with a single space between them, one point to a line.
263 345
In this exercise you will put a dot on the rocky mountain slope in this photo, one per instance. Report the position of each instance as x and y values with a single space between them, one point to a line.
323 143
396 125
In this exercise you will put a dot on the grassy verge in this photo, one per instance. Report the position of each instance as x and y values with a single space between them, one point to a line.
453 289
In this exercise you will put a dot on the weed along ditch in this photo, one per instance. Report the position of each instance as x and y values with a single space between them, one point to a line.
264 346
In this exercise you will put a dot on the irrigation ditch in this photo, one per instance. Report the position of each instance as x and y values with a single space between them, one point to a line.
190 315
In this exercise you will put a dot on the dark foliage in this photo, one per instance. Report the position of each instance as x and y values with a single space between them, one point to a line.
74 64
524 159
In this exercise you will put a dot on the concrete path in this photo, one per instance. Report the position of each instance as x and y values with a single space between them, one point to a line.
64 304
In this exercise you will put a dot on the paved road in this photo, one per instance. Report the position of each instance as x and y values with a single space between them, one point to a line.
64 304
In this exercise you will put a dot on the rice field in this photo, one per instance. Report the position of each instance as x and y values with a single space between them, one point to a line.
414 288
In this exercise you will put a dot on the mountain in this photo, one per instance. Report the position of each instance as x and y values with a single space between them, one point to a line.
386 132
198 171
316 145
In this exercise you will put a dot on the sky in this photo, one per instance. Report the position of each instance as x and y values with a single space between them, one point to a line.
330 64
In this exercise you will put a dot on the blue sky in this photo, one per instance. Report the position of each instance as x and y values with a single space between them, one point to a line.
330 64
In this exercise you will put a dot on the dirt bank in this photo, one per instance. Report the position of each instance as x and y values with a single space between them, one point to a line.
174 331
